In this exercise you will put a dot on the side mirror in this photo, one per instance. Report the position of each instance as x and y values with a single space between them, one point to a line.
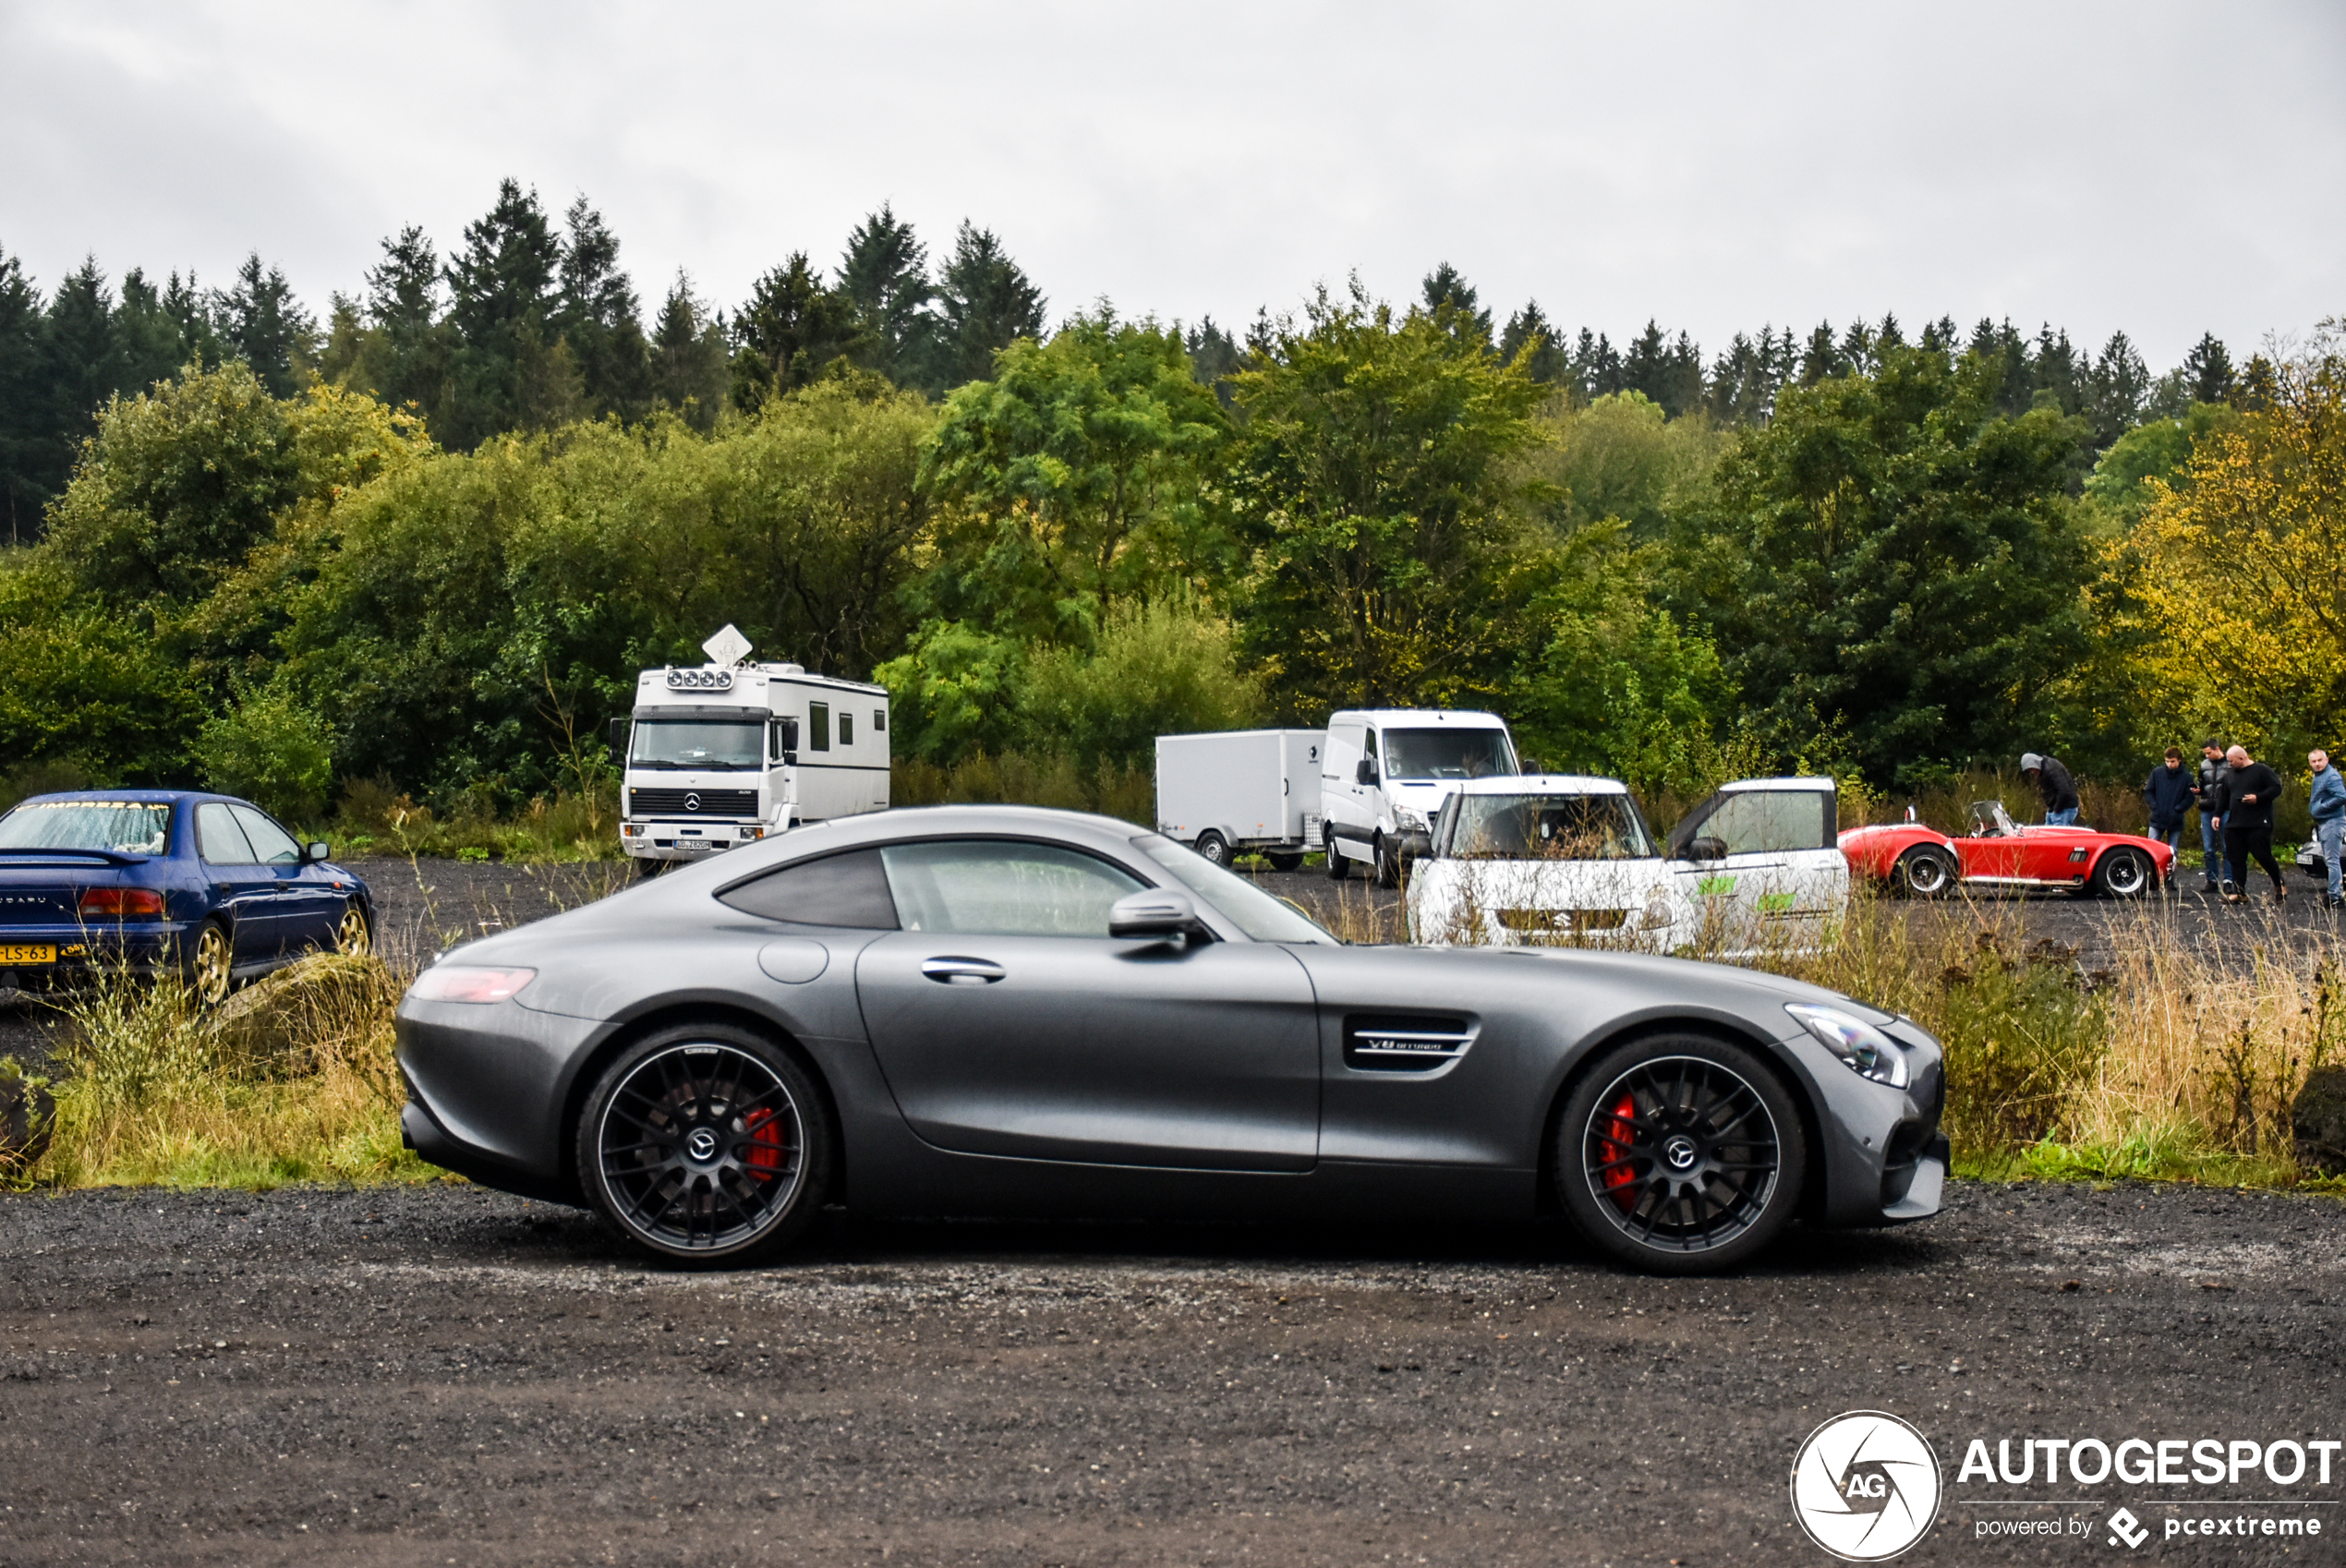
618 739
1366 773
317 852
1155 915
785 740
1705 849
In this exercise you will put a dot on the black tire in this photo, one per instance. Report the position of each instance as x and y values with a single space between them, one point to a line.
1213 847
1287 860
1925 872
697 1120
206 961
1680 1154
1339 867
648 869
1386 862
2124 873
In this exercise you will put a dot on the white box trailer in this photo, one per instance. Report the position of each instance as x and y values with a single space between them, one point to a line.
1241 791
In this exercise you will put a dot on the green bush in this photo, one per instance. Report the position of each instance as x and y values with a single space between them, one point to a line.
271 750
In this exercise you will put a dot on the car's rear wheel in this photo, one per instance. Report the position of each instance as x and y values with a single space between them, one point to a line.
1680 1154
208 963
706 1143
2123 874
1213 847
1925 872
354 934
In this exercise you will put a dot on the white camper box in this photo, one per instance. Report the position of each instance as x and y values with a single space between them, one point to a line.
1241 791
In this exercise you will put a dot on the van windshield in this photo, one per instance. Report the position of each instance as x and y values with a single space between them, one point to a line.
1447 754
1530 828
703 743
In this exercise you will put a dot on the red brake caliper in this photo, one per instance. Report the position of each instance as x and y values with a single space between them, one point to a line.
766 1153
1615 1146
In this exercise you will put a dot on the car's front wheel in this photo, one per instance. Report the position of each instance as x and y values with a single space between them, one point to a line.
2124 873
1337 867
706 1143
1680 1154
354 934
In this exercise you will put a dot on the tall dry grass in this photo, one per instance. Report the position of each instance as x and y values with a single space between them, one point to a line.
291 1080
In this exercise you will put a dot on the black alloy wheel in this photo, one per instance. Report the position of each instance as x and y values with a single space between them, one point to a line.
1924 872
1680 1154
706 1143
1213 847
1339 869
2124 873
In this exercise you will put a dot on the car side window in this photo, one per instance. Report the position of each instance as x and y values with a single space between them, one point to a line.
272 845
1000 887
218 838
848 891
1763 821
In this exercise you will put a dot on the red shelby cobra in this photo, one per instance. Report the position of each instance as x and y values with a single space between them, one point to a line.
1920 860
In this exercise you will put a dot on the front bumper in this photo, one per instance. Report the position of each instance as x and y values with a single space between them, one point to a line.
1882 1158
654 840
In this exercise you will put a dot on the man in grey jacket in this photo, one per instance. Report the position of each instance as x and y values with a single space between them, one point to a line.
2329 805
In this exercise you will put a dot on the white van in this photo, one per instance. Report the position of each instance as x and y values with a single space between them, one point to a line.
1385 773
1570 861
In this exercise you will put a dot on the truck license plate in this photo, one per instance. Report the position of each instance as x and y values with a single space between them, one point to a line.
27 953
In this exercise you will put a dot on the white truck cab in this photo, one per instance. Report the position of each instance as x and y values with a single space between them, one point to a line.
1385 773
730 753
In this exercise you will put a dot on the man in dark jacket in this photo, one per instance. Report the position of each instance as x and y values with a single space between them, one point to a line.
2169 794
2054 785
2250 791
2210 792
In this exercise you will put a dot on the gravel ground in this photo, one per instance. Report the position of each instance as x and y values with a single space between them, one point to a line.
442 1374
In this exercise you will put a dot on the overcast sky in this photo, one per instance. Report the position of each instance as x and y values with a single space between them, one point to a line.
2163 168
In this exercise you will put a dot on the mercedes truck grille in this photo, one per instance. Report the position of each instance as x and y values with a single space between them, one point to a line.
692 802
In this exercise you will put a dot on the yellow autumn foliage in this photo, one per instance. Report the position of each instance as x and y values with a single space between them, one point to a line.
2242 566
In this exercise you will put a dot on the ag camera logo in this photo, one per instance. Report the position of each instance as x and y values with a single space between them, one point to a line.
1866 1486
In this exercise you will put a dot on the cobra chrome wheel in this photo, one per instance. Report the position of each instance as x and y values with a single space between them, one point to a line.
1923 873
353 935
1681 1154
2123 874
706 1143
208 964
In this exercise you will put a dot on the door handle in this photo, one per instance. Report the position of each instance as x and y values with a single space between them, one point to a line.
962 971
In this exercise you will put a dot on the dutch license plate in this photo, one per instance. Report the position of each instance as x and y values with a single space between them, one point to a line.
27 953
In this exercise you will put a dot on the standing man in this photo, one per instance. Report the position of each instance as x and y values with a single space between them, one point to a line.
2169 794
2054 785
2250 791
2211 818
2329 805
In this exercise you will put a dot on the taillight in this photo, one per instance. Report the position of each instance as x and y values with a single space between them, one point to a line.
122 903
468 982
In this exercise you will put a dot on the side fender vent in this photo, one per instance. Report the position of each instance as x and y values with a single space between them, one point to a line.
1405 1041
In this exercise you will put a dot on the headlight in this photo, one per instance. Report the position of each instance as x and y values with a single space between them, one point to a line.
1862 1048
1409 819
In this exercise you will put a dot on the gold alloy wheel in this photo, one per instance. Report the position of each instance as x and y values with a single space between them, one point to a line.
352 937
209 971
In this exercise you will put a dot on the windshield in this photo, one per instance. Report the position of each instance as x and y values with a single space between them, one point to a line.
1988 820
702 744
1572 827
1427 754
1242 902
129 827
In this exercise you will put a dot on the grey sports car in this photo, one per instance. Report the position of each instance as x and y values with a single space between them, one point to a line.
998 1010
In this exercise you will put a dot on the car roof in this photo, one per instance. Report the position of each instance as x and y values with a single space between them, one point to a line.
1542 784
139 796
1820 785
901 823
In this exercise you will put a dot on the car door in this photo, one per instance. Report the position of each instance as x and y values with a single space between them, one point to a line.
1009 1022
243 890
1773 858
307 909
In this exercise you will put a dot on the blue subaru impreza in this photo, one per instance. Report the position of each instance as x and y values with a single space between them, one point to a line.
166 882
